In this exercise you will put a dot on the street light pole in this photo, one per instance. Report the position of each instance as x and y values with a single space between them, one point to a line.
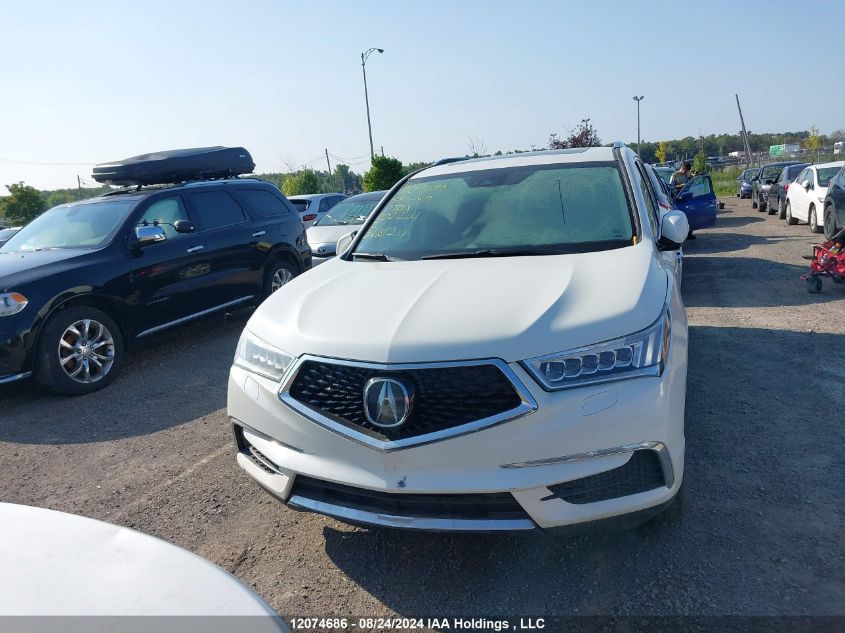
364 57
638 99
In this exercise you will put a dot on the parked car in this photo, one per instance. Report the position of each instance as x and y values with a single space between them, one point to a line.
512 354
776 200
806 197
834 205
69 565
6 234
697 200
84 280
760 187
312 207
325 232
745 182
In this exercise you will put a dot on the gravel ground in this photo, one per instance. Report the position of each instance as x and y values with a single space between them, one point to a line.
760 530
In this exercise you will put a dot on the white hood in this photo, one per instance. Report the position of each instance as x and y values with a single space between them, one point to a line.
511 308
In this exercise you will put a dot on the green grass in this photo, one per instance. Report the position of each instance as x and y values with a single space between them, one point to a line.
724 180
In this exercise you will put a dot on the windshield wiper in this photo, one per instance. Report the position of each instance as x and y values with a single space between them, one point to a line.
379 257
494 252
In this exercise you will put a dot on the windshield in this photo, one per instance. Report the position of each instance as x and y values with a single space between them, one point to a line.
5 234
825 174
300 205
772 172
87 225
545 209
748 174
348 212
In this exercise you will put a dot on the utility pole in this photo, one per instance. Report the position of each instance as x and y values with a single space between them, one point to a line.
638 99
327 161
79 185
364 57
744 134
382 151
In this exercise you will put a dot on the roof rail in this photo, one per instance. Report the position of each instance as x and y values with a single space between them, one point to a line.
446 161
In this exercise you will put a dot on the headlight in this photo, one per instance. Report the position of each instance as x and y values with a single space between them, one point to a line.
260 357
641 354
11 303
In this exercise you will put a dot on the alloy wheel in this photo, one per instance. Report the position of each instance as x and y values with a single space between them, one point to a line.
280 278
86 351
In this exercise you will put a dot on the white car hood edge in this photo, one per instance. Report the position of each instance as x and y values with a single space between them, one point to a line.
511 308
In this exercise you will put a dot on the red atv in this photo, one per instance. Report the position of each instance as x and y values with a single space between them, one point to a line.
827 260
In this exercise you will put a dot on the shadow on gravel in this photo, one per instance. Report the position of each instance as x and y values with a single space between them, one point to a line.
750 282
734 221
722 242
754 534
168 380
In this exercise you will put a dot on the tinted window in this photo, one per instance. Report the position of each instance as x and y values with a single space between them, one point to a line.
300 205
264 202
546 208
165 213
326 204
825 174
700 186
217 209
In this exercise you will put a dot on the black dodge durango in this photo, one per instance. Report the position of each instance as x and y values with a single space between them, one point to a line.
84 280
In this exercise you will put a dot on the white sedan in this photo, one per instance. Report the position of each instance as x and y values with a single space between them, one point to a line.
805 197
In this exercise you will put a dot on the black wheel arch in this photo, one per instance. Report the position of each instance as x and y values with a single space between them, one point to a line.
284 253
74 298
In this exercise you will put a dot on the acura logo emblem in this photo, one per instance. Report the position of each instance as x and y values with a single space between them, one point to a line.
321 249
387 402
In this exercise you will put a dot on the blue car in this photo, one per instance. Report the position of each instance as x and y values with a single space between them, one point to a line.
698 201
745 182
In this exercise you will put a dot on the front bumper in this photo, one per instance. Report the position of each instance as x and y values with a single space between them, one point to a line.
573 435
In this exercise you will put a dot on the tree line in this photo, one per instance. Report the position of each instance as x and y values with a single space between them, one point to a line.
23 203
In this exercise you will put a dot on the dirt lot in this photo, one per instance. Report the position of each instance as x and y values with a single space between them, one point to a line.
760 531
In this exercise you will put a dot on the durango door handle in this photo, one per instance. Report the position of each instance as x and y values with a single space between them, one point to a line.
196 248
259 233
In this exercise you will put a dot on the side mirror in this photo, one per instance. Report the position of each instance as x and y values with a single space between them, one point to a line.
345 242
806 184
674 228
150 234
184 226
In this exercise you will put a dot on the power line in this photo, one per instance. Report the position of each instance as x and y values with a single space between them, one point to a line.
15 161
335 156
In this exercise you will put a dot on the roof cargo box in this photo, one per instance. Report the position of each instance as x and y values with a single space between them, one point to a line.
178 165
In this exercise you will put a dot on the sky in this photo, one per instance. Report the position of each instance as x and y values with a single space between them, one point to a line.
88 82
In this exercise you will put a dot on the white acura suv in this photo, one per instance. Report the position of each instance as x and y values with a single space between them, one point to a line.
501 346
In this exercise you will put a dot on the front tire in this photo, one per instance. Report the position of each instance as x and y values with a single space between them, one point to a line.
782 210
79 351
829 222
753 201
814 225
278 274
789 219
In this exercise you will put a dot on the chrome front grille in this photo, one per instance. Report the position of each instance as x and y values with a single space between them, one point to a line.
449 398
